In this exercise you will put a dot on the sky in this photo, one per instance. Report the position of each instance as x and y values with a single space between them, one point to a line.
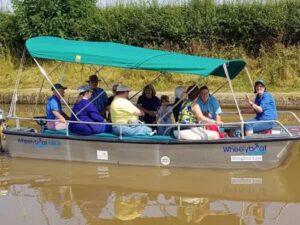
5 5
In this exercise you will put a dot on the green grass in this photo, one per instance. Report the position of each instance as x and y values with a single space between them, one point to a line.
279 67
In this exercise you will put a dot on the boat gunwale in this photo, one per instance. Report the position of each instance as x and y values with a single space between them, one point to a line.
149 141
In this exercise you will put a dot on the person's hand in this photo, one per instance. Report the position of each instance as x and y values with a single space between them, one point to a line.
248 100
62 120
152 113
219 123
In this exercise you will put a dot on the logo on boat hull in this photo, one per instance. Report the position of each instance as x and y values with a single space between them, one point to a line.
40 143
255 149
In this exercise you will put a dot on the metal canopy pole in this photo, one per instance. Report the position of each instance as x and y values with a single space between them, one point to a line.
97 73
156 78
44 73
12 108
249 77
41 87
222 85
235 101
62 75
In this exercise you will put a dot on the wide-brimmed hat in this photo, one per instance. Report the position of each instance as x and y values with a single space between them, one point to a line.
93 78
84 88
122 88
58 86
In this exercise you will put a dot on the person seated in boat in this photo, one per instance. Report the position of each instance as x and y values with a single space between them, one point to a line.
99 96
86 112
164 115
190 113
179 94
264 106
125 115
149 103
54 110
209 105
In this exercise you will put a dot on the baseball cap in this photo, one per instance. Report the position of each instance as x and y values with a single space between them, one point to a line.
122 88
58 86
84 88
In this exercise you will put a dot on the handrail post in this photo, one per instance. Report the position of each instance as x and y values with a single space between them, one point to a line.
121 130
67 127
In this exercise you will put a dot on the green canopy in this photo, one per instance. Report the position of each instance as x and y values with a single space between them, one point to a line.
125 56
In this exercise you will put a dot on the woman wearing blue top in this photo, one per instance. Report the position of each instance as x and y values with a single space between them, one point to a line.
265 108
86 112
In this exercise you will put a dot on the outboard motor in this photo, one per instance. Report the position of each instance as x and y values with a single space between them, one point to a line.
2 127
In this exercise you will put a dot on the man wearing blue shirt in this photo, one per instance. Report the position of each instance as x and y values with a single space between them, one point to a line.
209 105
99 97
54 110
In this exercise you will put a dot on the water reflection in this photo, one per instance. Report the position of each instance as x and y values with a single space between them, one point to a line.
43 192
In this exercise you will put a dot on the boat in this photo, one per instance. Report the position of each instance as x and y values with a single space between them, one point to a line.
262 151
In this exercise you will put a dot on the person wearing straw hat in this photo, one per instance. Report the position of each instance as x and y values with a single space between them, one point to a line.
86 112
54 110
264 107
125 115
99 96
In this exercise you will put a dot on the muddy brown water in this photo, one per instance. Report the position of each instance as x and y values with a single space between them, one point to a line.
38 192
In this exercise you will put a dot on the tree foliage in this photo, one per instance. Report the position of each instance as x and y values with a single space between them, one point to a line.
252 26
61 18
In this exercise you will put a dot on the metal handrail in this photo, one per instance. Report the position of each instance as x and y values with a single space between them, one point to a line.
18 119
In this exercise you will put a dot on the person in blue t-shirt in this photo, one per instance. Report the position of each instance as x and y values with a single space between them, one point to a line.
54 110
149 104
209 105
87 112
99 96
265 108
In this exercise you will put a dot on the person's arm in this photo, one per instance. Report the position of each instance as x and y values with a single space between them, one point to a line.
255 107
94 114
218 118
138 112
65 115
199 115
149 112
216 109
141 108
58 116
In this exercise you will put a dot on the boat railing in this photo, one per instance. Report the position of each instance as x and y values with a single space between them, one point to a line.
237 125
290 113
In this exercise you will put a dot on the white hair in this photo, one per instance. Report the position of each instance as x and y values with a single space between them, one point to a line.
179 90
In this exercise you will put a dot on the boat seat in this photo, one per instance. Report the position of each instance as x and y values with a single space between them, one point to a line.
269 131
61 132
148 137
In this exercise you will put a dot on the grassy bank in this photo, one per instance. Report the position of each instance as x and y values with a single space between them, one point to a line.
279 67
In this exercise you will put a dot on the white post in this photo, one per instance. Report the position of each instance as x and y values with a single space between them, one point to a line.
234 98
249 77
